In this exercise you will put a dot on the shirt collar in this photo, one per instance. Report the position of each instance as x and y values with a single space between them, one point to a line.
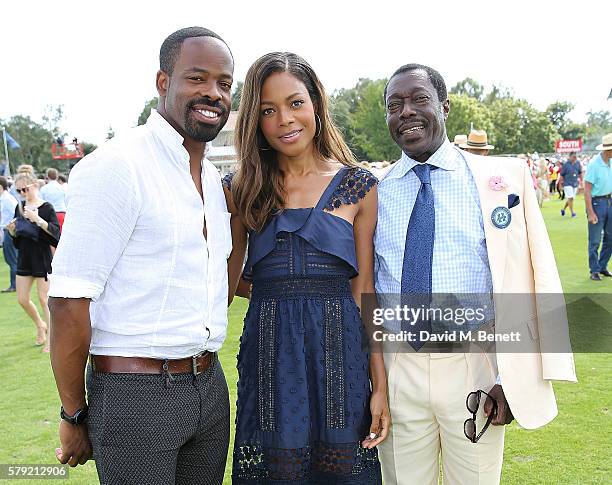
172 138
600 159
445 157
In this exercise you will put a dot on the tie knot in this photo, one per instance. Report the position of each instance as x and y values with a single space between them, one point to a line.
423 170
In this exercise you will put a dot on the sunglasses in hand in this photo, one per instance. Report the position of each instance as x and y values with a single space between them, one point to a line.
473 404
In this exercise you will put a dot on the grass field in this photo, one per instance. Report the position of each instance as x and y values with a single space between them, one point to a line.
573 449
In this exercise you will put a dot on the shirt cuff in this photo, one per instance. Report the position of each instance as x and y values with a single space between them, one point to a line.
66 287
498 380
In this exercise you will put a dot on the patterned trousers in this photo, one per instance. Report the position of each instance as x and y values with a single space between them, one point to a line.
150 429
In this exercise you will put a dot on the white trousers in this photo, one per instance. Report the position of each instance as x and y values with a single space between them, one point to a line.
427 399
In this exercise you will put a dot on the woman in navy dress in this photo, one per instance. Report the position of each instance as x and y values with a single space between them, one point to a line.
312 403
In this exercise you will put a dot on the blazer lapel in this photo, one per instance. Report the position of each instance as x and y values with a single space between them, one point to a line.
483 169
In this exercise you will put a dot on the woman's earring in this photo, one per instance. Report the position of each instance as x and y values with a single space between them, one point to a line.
318 124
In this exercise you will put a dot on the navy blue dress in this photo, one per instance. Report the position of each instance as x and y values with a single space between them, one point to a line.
303 388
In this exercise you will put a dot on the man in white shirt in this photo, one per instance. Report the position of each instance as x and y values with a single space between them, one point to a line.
62 180
140 283
55 194
7 213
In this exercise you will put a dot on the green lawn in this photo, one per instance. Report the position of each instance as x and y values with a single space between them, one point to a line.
573 449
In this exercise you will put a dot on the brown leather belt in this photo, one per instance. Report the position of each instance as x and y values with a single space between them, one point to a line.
141 365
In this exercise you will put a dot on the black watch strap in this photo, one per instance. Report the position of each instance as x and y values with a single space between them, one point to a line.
77 418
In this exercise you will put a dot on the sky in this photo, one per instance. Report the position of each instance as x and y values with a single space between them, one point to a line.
99 58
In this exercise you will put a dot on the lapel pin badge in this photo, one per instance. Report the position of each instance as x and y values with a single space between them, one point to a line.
501 217
497 183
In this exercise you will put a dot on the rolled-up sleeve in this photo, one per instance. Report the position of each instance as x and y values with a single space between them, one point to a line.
103 204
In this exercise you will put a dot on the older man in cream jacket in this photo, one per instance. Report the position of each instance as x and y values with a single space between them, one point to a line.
455 223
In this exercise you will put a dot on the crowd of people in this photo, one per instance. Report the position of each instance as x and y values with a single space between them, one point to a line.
552 174
566 178
31 216
586 174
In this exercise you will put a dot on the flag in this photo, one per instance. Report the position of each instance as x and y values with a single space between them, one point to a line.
10 141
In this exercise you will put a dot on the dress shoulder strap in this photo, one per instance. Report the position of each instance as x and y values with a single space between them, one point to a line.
351 188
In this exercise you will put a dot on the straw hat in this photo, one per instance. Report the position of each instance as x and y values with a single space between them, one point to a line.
606 143
459 139
477 140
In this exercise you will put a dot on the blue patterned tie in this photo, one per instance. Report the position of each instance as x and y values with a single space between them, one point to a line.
418 251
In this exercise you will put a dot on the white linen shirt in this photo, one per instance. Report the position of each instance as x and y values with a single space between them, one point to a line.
55 195
133 243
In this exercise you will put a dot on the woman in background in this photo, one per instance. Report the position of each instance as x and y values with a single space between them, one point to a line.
312 404
34 230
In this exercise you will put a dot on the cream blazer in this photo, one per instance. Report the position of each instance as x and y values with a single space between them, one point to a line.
521 260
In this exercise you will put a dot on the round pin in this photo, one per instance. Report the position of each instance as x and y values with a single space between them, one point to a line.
501 217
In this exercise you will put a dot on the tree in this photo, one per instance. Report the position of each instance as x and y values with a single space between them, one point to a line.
35 141
469 87
517 127
343 104
359 113
88 147
598 124
506 123
558 113
512 125
146 111
600 119
466 111
496 93
236 94
537 133
369 125
52 117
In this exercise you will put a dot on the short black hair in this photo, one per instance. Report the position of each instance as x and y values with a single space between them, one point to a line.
435 78
571 154
4 183
171 47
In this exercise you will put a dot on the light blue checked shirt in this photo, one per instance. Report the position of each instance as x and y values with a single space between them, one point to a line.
460 262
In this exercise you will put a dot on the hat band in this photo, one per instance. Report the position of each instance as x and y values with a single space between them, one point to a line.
607 146
477 144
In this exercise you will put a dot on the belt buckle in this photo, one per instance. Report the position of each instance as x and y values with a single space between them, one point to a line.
194 363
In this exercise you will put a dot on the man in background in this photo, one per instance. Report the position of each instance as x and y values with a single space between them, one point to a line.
569 179
477 143
553 175
598 201
7 213
55 194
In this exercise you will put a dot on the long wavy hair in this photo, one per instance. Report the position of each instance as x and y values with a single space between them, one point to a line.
257 186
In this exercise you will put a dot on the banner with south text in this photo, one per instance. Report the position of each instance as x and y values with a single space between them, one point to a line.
567 146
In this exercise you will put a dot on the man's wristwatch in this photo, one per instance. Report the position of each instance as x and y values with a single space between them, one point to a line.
77 418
